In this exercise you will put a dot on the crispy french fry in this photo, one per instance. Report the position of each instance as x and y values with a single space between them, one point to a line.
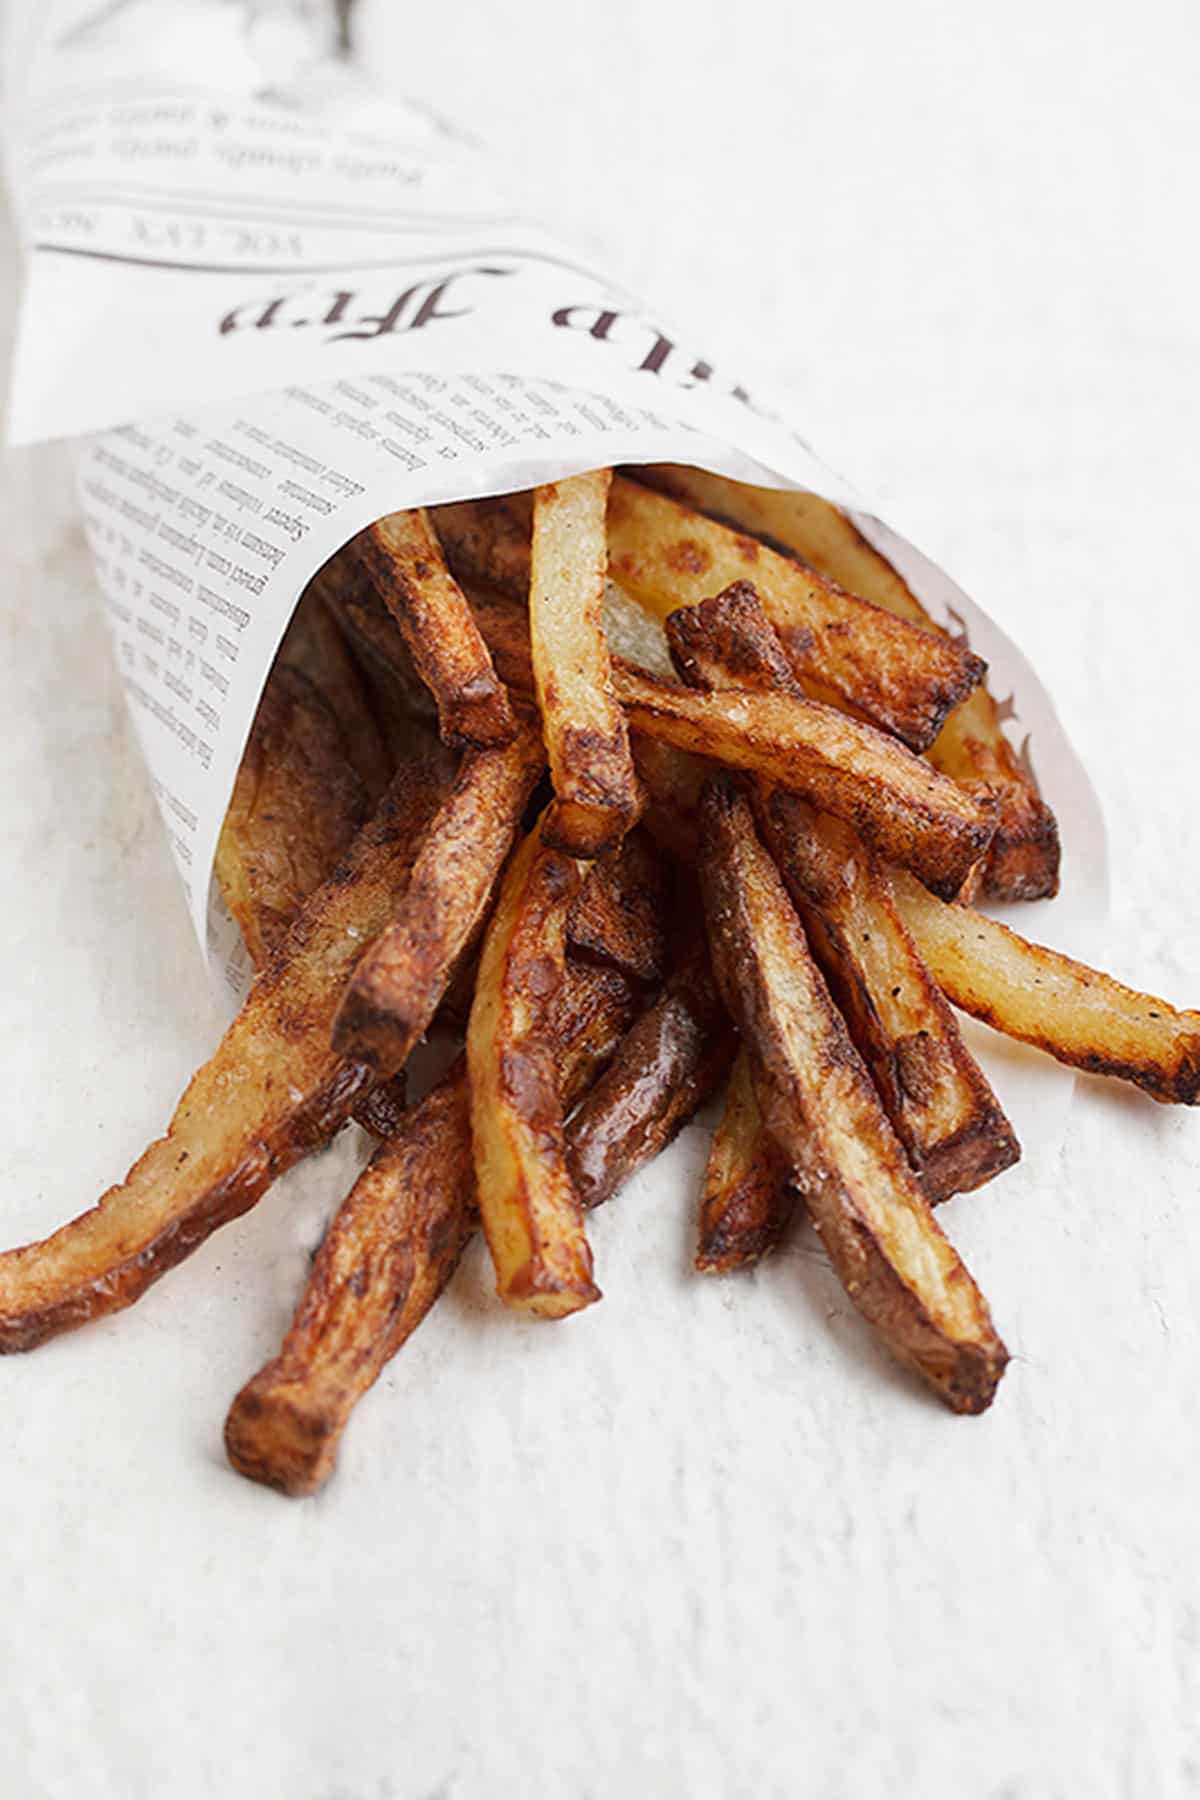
1075 1014
901 806
938 1099
295 808
378 646
313 643
488 541
668 1065
531 1213
389 1252
935 1094
671 780
273 1092
402 555
596 791
619 913
1023 861
398 984
504 624
818 1103
296 804
909 812
748 1199
848 650
899 676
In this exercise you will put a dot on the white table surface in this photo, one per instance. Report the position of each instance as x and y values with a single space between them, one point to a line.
703 1541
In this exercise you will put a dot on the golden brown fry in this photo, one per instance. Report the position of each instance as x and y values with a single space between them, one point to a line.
273 1092
313 643
619 913
596 791
504 624
936 1096
488 541
1023 861
668 1065
938 1099
389 1252
369 629
402 555
748 1200
397 986
295 806
531 1213
897 675
1074 1013
671 781
818 1103
901 806
898 803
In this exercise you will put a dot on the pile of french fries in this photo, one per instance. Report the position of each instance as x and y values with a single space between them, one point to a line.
635 789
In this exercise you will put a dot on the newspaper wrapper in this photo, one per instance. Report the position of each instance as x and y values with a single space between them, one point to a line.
273 309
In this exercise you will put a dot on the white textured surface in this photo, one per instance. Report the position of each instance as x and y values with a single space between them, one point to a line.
702 1541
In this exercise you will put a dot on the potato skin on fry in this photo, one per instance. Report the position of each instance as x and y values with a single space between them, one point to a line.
272 1093
668 1065
295 806
393 1246
619 913
398 985
1023 861
389 1252
403 557
818 1103
1077 1015
314 645
936 1096
531 1213
896 802
898 675
748 1201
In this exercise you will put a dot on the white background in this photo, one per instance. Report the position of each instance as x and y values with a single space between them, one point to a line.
701 1541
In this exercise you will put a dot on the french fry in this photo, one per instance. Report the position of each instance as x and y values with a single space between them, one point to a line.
295 808
933 1091
902 807
1023 861
940 1103
314 645
531 1212
393 1246
1075 1014
399 983
748 1200
272 1093
671 780
596 791
818 1103
619 913
668 1065
402 555
296 804
488 541
378 647
389 1252
909 812
846 650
